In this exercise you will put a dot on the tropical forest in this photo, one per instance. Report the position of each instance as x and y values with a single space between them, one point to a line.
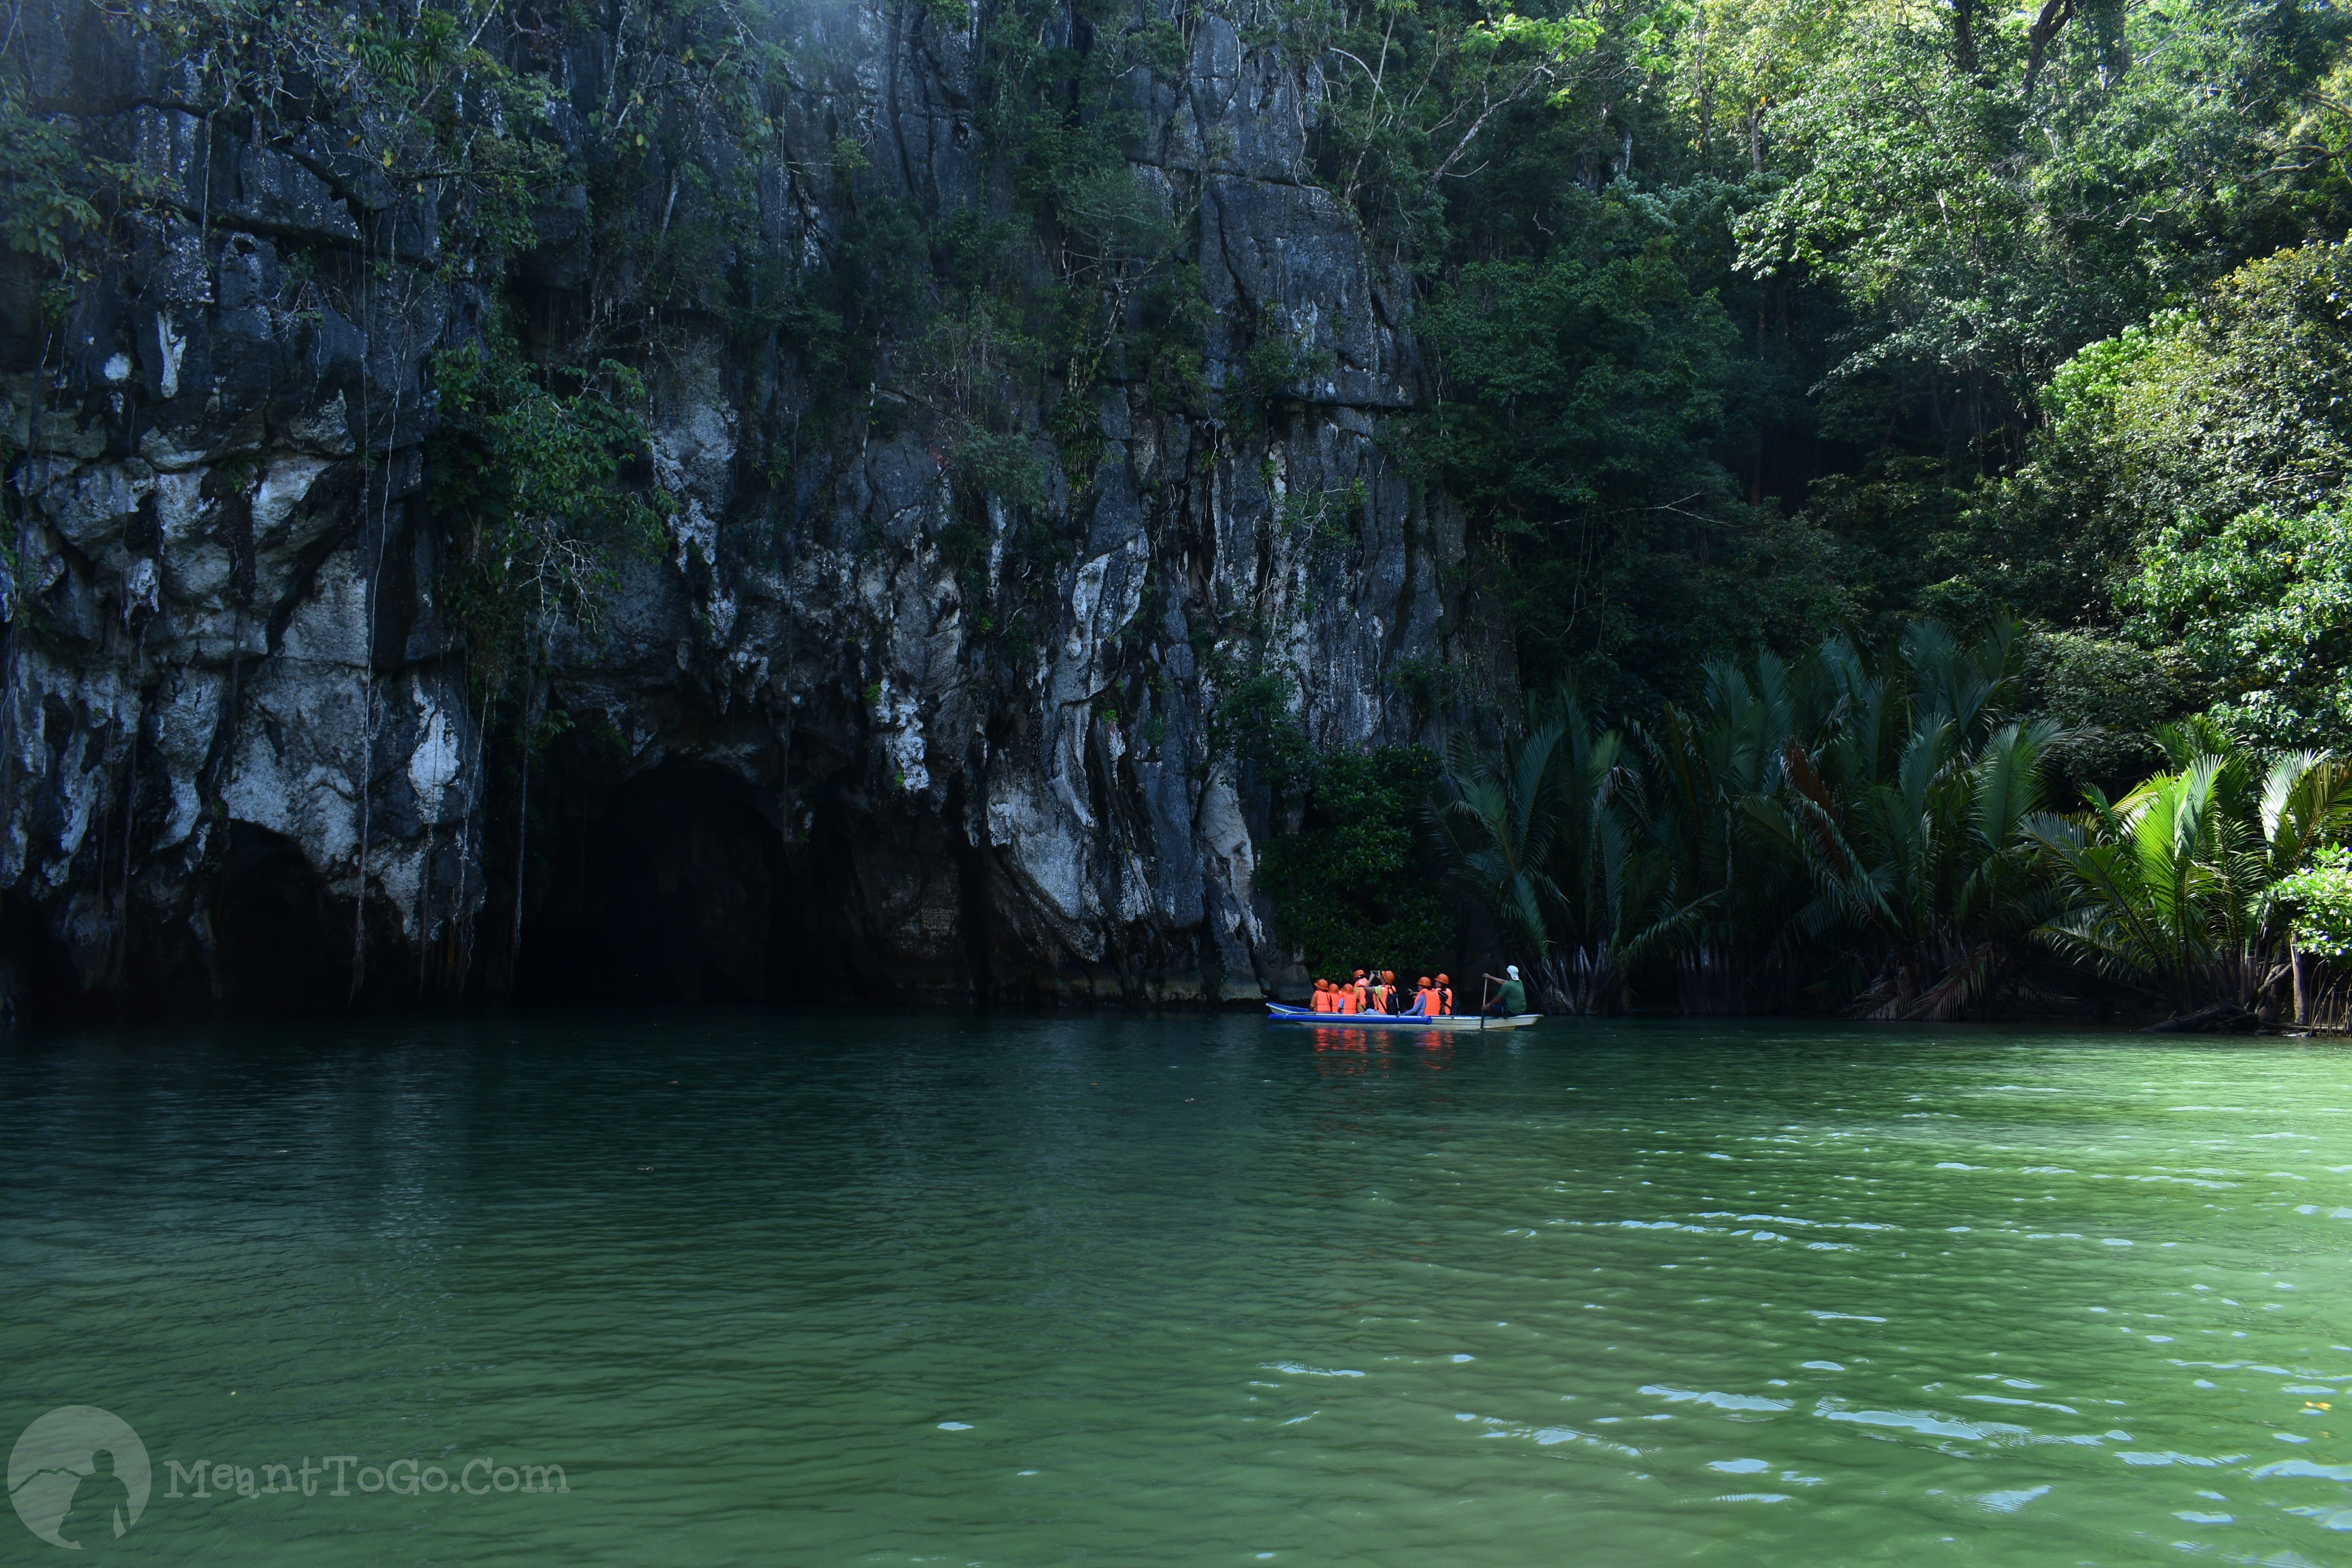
1909 448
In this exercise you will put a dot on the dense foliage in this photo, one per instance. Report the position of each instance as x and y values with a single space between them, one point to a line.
1350 890
1772 321
1872 834
1769 330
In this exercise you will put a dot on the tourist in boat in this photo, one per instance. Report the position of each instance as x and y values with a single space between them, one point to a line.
1385 994
1444 997
1428 1001
1362 987
1322 1002
1511 998
1343 1000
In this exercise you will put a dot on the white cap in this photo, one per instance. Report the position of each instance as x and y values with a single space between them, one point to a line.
1512 969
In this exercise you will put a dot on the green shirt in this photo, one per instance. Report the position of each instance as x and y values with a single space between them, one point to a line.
1513 998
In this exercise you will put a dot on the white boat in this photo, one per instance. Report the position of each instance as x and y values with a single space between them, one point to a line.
1474 1023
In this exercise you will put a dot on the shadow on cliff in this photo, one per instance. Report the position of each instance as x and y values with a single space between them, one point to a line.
266 939
678 886
674 886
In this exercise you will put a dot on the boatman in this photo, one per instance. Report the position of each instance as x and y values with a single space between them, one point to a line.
1511 999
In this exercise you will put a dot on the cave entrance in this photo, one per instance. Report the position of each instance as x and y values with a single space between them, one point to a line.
279 946
672 887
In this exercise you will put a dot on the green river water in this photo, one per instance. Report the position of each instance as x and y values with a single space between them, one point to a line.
879 1289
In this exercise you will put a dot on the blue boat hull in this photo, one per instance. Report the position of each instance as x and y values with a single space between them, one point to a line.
1278 1013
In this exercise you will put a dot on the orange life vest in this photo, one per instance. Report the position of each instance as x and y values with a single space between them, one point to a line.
1433 1001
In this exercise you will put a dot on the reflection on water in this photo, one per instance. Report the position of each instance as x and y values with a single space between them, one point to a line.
1345 1050
1195 1290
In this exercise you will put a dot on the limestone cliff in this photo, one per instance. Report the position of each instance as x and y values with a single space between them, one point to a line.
241 761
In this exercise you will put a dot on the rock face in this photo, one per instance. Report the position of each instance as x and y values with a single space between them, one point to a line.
243 767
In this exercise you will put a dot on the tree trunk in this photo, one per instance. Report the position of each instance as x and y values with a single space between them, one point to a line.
2055 14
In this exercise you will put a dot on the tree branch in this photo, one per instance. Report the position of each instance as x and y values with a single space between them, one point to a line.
2055 15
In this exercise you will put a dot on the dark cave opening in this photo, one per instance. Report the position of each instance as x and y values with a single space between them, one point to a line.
282 945
269 939
683 884
678 887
